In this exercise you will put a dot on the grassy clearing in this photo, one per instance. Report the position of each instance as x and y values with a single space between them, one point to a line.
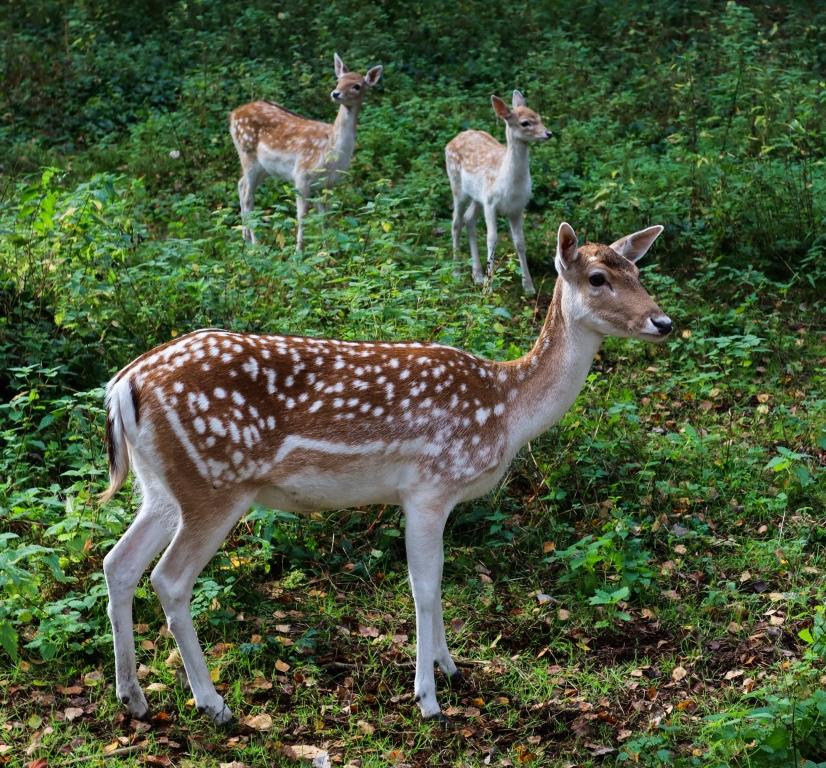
646 586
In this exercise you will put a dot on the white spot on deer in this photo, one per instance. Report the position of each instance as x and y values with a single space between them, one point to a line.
237 458
251 436
251 367
270 422
394 362
217 426
270 375
352 402
227 357
290 403
498 409
199 424
237 397
217 468
220 393
365 407
234 434
289 381
178 387
315 406
378 411
338 402
389 389
475 440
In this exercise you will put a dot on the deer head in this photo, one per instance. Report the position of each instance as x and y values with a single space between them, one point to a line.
352 86
602 289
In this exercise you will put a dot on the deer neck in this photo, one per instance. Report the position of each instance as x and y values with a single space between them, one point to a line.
515 169
546 381
344 136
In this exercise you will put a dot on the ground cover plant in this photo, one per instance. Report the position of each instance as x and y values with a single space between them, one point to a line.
645 587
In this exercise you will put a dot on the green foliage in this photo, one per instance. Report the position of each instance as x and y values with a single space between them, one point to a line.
684 485
788 729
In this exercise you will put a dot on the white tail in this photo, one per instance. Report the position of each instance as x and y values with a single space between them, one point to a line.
486 176
273 141
215 421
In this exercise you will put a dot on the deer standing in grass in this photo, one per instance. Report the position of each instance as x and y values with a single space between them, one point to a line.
273 141
214 421
486 176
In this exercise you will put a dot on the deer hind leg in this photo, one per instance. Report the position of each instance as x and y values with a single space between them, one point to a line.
459 206
518 235
471 215
193 546
490 225
302 203
423 537
251 176
123 567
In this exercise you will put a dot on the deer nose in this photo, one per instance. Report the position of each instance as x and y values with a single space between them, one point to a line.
663 324
335 95
548 134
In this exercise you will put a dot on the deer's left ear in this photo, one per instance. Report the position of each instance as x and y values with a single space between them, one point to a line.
338 65
634 247
518 100
373 75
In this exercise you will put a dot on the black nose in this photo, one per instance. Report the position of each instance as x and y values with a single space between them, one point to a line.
335 94
663 324
548 134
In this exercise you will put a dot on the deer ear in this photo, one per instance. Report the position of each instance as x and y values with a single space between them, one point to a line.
518 100
339 66
634 247
499 106
373 75
566 248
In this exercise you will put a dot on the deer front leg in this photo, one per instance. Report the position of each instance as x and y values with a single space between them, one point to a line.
518 235
423 537
490 225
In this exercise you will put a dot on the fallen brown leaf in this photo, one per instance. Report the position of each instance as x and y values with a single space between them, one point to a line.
262 722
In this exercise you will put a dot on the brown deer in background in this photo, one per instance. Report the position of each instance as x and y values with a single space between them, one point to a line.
311 155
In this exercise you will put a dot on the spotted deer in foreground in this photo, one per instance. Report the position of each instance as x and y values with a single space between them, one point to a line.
273 141
215 421
486 176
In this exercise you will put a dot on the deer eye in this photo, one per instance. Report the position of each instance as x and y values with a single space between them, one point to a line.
357 87
526 123
596 279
